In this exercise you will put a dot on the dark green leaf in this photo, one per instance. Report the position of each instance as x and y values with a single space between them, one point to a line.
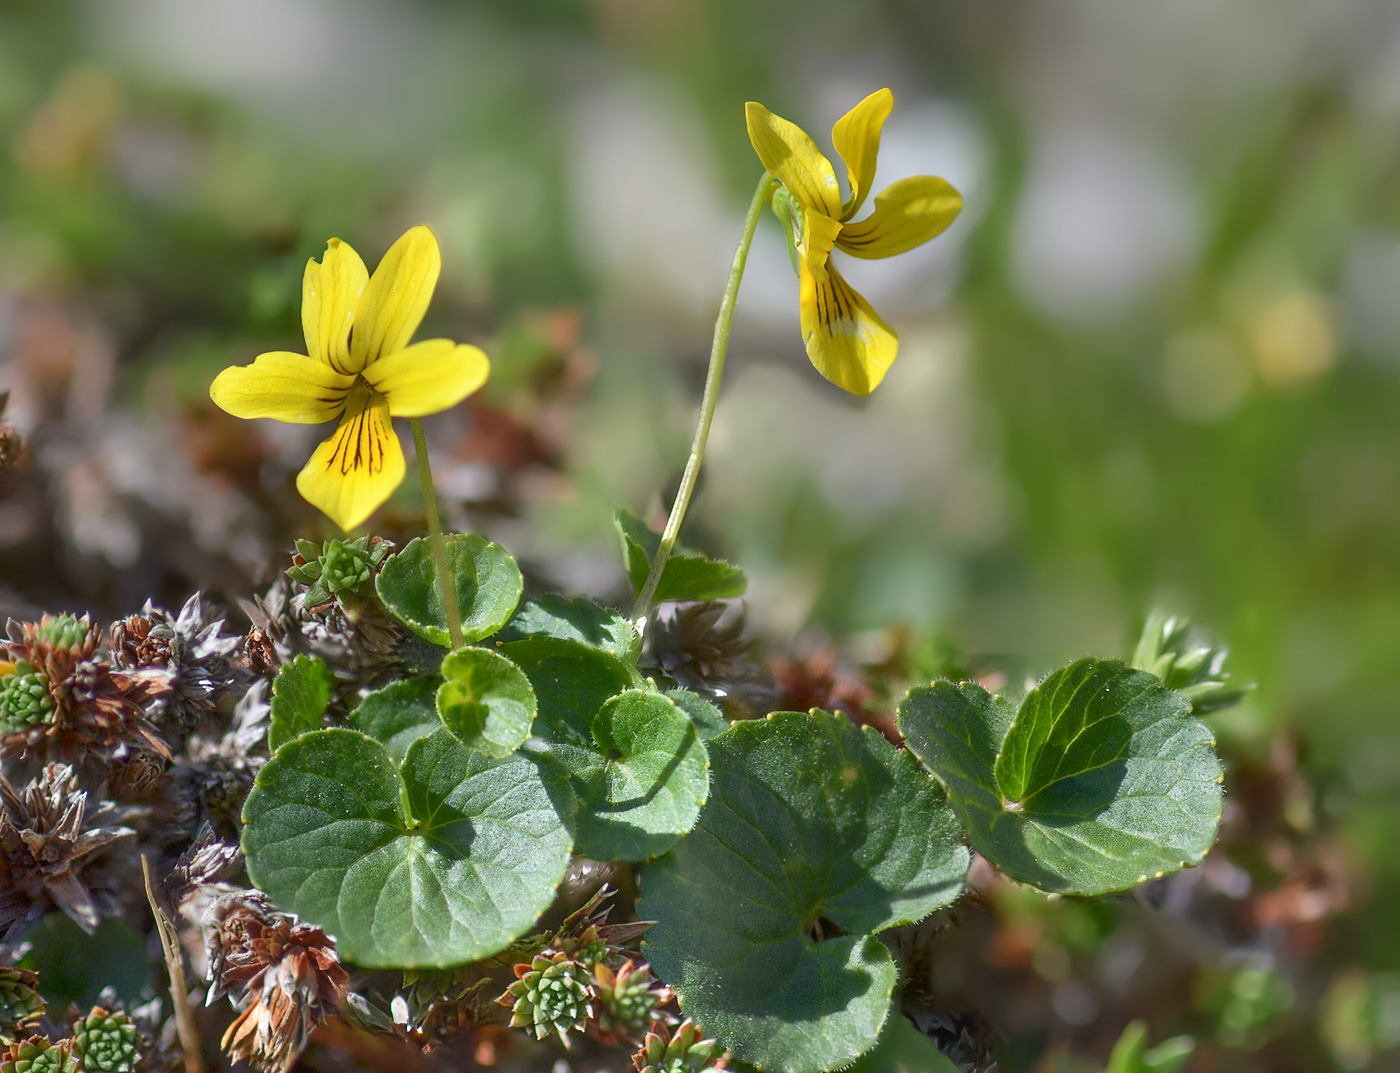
486 701
642 784
487 580
708 719
574 620
688 575
399 714
1102 780
300 693
448 860
571 681
812 827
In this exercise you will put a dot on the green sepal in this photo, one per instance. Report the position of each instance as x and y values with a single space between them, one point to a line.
688 575
789 215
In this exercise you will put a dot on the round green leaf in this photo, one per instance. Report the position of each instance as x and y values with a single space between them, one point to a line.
486 701
488 587
399 714
571 681
641 786
816 836
446 860
300 693
1101 781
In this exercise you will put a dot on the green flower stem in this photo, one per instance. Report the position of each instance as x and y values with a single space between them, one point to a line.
718 349
435 537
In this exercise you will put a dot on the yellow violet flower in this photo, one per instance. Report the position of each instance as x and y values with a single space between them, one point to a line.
360 368
847 341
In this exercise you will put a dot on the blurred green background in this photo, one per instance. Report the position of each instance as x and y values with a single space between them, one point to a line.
1157 359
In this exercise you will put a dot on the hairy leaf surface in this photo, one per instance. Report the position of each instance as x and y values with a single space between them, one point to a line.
1100 781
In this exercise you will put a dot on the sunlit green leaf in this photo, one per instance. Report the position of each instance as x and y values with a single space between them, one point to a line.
571 681
578 619
1102 780
816 836
399 714
903 1049
708 719
641 785
445 860
487 581
486 701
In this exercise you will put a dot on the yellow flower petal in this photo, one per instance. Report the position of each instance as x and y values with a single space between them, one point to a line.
329 291
284 386
819 234
790 155
856 137
907 213
428 377
351 474
396 298
847 341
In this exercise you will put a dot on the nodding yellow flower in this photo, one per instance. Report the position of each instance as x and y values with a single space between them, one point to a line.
847 341
360 368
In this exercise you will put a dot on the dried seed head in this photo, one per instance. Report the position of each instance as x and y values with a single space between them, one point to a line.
14 449
214 774
47 841
191 648
701 647
96 706
285 977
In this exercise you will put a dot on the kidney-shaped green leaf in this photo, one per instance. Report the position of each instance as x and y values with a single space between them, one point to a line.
1101 781
486 701
487 580
816 836
642 784
445 860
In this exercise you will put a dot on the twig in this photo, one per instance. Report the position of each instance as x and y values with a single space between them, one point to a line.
175 965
